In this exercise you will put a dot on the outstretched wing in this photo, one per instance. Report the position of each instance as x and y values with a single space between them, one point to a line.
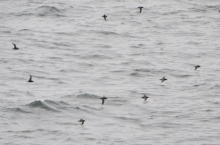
30 78
14 45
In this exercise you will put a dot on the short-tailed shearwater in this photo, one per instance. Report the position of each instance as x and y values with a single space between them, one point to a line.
104 17
145 97
197 66
163 79
103 99
140 9
15 48
81 120
30 80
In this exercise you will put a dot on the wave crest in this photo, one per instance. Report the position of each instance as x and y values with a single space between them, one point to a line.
48 105
48 11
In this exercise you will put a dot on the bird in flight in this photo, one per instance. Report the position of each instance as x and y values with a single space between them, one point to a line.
104 17
15 48
103 99
140 9
163 79
145 97
81 120
30 80
197 66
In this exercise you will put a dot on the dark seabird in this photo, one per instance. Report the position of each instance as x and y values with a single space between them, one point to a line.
15 48
103 99
104 16
140 9
30 80
197 66
219 11
163 79
81 120
145 97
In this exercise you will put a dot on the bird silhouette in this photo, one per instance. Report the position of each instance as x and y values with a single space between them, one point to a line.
145 97
140 9
103 99
163 79
104 17
15 48
197 66
30 80
81 120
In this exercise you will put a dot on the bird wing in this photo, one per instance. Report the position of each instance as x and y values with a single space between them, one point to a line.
14 45
30 78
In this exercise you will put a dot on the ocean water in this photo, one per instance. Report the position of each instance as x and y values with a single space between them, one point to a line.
75 58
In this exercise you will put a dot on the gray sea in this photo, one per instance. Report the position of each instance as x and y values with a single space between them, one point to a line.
76 57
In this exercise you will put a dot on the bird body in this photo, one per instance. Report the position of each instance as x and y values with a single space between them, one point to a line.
15 48
140 9
163 79
30 80
103 99
81 120
197 66
145 97
104 17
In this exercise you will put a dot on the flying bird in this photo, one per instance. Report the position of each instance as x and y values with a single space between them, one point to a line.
140 9
145 97
104 17
15 48
197 66
103 99
163 79
81 120
30 80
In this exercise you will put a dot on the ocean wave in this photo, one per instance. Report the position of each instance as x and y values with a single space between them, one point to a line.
128 118
48 11
88 96
143 70
19 110
98 56
173 12
41 11
135 74
48 105
108 33
213 6
94 99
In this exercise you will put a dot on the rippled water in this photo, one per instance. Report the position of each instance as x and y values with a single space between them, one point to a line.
75 58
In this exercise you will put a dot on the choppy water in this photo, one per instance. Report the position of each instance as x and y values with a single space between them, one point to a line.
75 57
